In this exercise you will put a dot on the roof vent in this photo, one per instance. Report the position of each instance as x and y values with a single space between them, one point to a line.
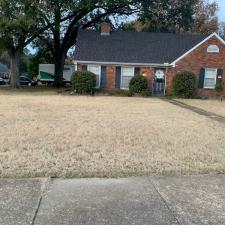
213 49
105 29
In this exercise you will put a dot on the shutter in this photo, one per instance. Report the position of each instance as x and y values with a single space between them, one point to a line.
201 78
103 77
118 77
137 71
219 73
84 68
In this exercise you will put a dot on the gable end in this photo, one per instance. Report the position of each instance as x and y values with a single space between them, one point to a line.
198 45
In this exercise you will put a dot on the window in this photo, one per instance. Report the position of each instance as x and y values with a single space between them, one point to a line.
210 78
126 75
213 49
96 69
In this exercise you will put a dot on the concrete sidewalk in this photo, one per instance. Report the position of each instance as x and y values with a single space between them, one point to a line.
134 201
202 112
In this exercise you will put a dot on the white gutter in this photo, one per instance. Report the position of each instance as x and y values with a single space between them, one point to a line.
123 64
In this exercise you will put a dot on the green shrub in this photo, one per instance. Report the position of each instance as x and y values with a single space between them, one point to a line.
184 84
219 88
138 85
83 82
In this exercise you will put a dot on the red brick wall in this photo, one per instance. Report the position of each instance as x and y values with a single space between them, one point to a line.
148 72
196 60
111 77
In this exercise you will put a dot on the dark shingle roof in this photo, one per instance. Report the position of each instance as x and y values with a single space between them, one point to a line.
3 68
133 47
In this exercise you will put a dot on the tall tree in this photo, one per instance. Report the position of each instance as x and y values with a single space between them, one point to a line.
195 16
205 17
17 28
66 17
167 15
163 16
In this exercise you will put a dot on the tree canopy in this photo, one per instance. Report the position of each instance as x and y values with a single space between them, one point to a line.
65 17
194 16
18 28
55 23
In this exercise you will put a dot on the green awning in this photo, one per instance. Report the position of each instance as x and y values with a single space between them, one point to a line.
46 76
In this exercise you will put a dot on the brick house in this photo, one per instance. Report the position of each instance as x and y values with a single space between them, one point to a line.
116 56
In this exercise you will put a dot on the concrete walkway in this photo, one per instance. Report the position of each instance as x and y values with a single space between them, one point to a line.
199 111
134 201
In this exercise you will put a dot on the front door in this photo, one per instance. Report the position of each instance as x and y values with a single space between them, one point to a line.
159 83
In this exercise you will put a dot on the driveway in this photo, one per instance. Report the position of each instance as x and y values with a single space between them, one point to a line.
136 201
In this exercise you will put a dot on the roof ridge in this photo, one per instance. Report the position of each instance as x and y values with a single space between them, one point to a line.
150 32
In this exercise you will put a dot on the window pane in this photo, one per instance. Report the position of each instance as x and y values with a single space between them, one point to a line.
125 81
210 73
127 71
126 76
210 83
95 70
97 81
210 78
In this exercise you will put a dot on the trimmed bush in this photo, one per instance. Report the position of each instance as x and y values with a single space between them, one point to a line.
219 88
138 85
184 84
83 82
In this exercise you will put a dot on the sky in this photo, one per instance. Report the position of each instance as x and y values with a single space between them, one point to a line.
221 13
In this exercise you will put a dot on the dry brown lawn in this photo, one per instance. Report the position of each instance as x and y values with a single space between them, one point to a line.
214 106
68 136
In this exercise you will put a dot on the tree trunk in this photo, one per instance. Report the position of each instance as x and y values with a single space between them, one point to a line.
59 67
14 61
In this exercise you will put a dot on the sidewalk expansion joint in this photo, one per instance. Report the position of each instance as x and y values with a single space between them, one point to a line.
44 188
164 201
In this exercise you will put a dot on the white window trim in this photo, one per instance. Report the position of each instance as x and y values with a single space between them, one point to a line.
88 69
121 78
215 50
205 87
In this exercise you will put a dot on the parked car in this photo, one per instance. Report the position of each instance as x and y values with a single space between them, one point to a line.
2 81
24 80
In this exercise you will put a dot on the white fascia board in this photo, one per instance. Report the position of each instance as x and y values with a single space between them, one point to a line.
196 46
123 64
221 39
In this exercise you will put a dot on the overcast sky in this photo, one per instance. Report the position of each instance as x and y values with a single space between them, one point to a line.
221 4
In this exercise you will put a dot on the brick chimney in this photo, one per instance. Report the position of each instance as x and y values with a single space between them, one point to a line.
105 28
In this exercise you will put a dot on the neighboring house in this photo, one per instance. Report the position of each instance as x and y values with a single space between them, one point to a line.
4 71
115 57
